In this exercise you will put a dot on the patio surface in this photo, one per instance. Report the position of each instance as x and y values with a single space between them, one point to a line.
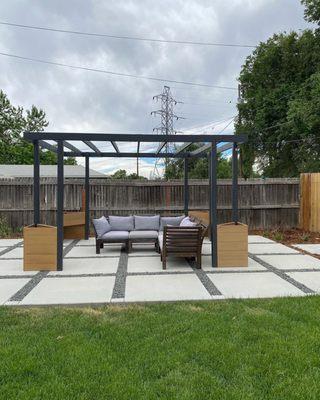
113 276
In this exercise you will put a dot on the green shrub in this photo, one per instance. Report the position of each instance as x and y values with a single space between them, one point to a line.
5 229
278 236
305 236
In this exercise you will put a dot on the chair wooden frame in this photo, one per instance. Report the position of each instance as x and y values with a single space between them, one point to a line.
182 241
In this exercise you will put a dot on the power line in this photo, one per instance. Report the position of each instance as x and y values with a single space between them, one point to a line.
212 124
229 123
136 38
114 73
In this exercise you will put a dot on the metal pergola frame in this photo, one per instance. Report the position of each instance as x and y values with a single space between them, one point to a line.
62 139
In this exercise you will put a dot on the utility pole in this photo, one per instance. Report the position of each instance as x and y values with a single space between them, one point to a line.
167 117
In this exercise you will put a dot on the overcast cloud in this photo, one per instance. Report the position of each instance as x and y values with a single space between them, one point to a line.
85 101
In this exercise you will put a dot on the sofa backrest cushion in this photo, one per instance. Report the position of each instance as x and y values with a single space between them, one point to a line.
146 223
101 226
121 223
173 221
187 222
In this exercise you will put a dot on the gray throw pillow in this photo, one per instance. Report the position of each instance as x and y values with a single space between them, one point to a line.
145 223
121 223
187 222
174 221
101 226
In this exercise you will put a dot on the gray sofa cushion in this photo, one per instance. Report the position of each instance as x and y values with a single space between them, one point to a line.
187 222
121 223
101 226
160 240
143 235
144 223
173 221
113 236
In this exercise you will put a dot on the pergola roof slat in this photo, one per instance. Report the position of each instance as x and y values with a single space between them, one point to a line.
206 147
48 146
70 147
92 146
115 146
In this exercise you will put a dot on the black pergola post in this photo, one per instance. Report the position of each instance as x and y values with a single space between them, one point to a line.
36 183
87 198
209 181
60 198
186 187
213 204
235 183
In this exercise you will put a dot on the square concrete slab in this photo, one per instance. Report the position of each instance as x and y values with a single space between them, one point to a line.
252 266
9 242
291 261
13 267
259 239
310 248
270 248
154 264
71 291
206 248
8 287
165 288
15 253
143 250
90 251
74 266
253 285
309 279
90 242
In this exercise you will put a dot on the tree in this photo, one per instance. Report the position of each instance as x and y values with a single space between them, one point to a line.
13 121
197 167
122 174
312 10
272 81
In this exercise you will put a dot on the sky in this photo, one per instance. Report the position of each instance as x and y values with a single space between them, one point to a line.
82 101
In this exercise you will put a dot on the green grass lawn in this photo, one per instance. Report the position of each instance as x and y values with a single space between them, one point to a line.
249 349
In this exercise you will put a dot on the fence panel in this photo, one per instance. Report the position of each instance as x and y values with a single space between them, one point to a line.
263 204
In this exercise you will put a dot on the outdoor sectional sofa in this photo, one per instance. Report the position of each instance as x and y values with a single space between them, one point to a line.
178 236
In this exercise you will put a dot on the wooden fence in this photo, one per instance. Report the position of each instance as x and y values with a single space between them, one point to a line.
263 204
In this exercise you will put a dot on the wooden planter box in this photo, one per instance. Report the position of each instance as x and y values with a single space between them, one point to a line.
232 245
40 248
74 225
310 202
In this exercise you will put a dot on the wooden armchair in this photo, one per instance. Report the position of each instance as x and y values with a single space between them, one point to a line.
181 242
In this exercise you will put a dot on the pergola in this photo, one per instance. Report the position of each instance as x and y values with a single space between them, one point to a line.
64 141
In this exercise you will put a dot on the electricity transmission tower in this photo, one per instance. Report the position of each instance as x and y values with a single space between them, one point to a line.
167 117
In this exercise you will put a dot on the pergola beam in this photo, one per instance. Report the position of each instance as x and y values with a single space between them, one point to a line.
115 146
183 148
116 137
71 147
130 155
92 146
48 146
227 146
160 147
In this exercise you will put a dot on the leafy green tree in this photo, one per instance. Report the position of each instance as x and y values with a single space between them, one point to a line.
272 81
122 174
13 121
197 167
312 10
